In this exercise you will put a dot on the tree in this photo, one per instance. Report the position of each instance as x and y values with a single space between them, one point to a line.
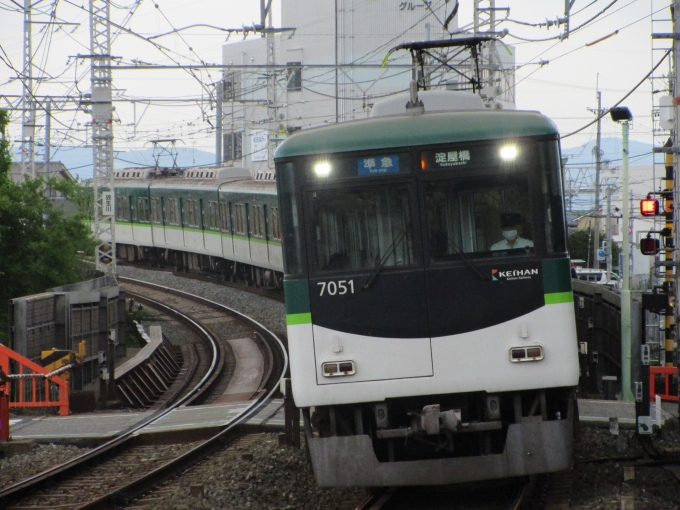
40 247
580 245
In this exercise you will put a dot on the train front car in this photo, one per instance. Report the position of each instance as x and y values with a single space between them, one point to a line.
428 297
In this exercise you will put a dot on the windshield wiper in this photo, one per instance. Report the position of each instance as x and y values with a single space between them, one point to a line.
383 260
465 259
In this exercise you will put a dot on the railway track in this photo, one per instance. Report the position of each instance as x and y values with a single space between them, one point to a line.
127 466
276 294
546 491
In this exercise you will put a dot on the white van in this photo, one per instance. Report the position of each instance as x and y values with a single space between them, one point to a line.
599 276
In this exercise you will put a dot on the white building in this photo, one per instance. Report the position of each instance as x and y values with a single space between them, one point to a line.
305 88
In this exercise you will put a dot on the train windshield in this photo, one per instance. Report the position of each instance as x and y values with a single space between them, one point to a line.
494 209
359 229
488 216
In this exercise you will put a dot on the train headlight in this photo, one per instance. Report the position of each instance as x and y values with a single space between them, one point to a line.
509 152
322 169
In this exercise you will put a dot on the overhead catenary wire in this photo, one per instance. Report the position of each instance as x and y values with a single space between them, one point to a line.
606 112
311 84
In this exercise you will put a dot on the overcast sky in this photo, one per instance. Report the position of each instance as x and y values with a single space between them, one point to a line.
563 88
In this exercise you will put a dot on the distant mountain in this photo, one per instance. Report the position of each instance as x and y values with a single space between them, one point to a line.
640 153
79 159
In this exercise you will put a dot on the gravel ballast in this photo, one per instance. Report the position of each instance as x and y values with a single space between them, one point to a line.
19 467
269 312
260 474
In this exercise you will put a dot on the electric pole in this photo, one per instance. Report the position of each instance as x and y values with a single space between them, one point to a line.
102 136
28 118
596 234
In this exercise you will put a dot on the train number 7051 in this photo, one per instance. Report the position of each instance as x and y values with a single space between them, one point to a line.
341 287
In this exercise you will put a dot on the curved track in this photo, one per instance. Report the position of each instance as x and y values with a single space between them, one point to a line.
123 450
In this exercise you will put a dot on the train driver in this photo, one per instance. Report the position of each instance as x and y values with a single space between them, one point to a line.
511 227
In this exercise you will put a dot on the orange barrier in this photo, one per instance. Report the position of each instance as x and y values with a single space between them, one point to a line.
663 382
27 388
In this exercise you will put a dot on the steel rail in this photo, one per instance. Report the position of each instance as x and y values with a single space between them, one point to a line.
20 489
142 484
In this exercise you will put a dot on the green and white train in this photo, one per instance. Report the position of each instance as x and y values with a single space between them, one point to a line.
430 314
218 220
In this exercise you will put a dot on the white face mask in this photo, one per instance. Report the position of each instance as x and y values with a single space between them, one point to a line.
510 235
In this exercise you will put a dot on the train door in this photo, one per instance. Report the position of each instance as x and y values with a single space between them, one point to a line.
367 282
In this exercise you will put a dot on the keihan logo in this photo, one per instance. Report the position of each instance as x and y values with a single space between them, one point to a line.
514 274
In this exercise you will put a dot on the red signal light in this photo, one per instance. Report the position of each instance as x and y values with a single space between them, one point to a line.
649 207
649 246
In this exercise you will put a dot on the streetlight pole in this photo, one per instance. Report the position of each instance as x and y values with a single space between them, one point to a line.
622 115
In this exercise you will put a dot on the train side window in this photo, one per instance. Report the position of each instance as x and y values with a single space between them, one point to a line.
121 208
551 190
143 210
213 222
240 219
155 210
285 182
193 212
275 223
224 216
172 211
257 222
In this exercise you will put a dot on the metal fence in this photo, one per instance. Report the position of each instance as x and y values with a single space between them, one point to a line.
598 324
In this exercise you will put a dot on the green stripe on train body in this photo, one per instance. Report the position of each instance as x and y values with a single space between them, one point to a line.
559 297
296 319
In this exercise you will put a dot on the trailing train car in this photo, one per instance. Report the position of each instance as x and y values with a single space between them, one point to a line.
429 306
203 220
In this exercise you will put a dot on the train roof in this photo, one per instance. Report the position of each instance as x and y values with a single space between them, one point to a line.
238 185
251 186
175 182
416 130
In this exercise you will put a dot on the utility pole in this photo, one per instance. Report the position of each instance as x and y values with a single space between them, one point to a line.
596 234
102 136
608 229
626 332
218 121
271 81
28 121
48 140
494 76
